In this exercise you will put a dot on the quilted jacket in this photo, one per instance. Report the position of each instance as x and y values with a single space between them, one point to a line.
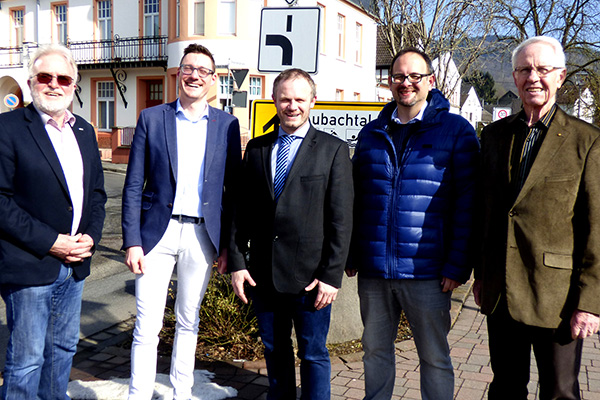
414 211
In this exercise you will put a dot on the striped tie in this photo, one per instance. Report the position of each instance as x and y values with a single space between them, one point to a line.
283 154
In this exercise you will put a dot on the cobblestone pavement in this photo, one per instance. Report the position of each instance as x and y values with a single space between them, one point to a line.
99 357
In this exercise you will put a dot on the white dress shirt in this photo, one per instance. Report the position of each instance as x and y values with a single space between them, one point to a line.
67 149
191 149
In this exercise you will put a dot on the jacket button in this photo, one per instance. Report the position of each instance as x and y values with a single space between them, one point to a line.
170 205
276 238
512 213
69 209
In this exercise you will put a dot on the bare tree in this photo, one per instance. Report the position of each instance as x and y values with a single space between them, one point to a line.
454 29
576 25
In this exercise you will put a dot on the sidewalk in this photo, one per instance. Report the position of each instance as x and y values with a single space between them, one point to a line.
99 358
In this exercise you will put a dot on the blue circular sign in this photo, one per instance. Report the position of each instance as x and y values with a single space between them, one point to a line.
11 100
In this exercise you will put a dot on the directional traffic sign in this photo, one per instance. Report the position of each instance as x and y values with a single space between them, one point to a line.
343 119
289 38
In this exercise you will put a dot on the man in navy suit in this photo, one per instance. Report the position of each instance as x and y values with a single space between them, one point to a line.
51 215
299 230
176 198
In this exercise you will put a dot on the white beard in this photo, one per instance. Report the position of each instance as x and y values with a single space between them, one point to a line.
51 107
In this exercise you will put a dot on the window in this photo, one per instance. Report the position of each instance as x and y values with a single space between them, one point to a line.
199 17
255 87
177 18
17 27
106 104
226 17
225 85
60 23
104 19
322 28
151 16
341 29
339 95
356 96
358 44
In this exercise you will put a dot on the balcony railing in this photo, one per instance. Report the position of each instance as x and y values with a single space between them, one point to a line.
145 51
120 50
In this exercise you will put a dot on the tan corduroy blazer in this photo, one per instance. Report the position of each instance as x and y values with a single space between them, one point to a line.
543 249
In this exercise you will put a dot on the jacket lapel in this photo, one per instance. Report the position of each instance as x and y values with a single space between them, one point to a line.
265 152
170 129
553 141
303 155
80 133
38 131
211 139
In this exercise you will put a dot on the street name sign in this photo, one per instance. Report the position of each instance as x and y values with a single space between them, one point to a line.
343 119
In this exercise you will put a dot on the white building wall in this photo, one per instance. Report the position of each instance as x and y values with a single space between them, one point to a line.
471 108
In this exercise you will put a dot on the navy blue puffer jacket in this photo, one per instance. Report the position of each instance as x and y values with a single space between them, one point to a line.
413 220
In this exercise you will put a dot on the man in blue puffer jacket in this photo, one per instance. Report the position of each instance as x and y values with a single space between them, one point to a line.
414 174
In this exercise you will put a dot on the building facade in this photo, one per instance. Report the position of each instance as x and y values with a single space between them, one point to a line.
128 52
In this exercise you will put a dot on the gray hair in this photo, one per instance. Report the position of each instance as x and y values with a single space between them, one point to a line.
555 44
53 48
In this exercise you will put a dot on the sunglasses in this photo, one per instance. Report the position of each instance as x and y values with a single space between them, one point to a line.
63 80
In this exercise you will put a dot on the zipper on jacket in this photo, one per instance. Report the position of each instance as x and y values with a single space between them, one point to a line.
392 215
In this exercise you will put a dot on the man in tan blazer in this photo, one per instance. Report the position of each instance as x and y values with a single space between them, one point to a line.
539 279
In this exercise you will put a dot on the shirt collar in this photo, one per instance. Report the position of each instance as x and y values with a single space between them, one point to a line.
181 112
46 119
543 122
300 132
418 117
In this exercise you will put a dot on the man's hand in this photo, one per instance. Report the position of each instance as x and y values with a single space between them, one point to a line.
238 278
477 291
72 248
222 262
350 272
449 285
584 324
326 294
134 259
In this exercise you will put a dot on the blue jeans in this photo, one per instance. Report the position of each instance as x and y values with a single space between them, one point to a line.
43 322
427 310
275 314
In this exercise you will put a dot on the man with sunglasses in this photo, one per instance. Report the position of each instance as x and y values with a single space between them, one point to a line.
414 175
51 216
538 281
176 211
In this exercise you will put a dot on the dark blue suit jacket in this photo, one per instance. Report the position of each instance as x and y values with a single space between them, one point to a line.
35 205
149 190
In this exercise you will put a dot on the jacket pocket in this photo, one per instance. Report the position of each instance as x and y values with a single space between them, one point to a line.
147 200
561 261
561 178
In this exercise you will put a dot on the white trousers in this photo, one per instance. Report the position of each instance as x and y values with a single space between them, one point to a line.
188 247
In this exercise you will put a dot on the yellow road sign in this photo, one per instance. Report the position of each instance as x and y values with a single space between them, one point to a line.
340 118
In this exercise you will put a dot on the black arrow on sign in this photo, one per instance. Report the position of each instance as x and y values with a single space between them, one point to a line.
283 42
286 47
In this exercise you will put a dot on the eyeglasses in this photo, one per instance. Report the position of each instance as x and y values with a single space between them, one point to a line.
412 78
541 70
187 69
44 78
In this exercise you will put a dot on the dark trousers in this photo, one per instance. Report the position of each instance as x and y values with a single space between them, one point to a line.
558 358
275 314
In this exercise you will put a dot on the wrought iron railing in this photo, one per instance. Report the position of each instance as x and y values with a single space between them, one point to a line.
117 50
132 49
